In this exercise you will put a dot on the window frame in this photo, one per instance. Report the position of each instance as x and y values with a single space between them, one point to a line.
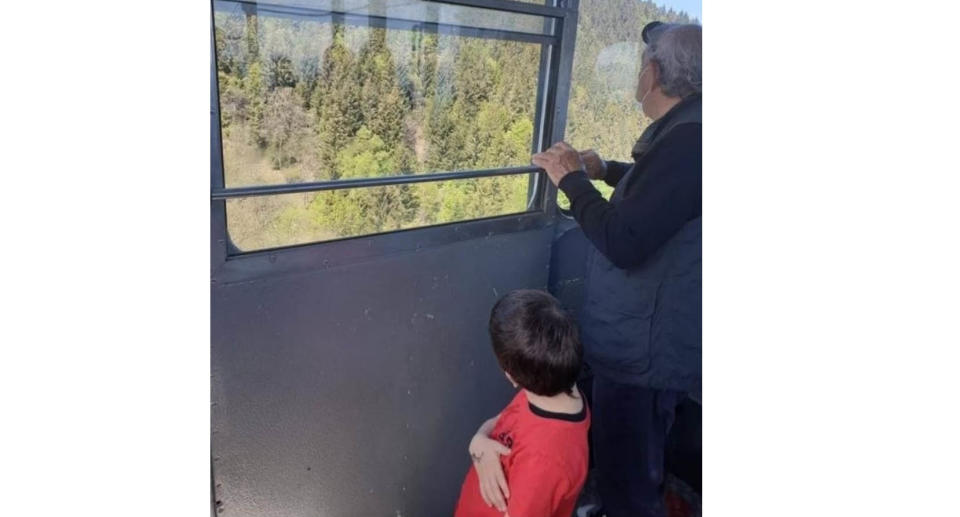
229 264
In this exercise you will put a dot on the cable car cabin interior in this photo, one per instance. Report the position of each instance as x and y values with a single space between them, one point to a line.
372 197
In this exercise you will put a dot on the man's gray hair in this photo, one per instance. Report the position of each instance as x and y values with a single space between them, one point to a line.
676 49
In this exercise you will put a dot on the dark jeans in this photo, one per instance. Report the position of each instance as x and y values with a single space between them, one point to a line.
630 428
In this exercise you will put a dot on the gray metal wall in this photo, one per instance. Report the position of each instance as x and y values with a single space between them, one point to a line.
353 390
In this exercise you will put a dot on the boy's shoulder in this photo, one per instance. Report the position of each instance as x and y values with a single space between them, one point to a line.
529 430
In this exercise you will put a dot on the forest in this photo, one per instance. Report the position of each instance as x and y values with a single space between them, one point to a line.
310 100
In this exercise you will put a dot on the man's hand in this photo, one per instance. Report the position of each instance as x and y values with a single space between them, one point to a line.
485 453
595 167
558 161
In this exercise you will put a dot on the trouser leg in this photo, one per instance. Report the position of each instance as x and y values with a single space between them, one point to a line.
630 427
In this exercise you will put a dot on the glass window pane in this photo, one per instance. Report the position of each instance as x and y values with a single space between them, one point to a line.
305 98
603 113
284 220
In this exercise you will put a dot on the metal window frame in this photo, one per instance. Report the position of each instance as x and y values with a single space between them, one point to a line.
384 22
229 264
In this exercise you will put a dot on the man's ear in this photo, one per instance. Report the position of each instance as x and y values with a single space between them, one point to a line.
654 74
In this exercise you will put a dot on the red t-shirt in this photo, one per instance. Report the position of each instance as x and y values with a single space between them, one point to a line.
546 467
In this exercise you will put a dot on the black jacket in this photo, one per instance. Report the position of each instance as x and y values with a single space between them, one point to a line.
640 322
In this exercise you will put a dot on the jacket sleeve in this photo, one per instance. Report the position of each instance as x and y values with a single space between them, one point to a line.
653 208
615 171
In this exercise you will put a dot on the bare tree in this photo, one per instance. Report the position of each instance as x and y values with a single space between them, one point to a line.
284 123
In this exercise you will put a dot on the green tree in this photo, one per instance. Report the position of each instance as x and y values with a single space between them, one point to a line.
233 101
280 72
476 76
447 142
382 103
336 104
255 92
371 209
252 37
481 197
422 73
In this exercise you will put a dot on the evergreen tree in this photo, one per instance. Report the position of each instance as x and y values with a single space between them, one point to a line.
476 76
233 101
280 72
423 70
307 76
252 37
335 103
382 104
255 91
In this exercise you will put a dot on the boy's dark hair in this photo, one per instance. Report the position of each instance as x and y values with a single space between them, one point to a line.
536 341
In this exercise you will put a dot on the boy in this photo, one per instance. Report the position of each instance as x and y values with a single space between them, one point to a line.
531 459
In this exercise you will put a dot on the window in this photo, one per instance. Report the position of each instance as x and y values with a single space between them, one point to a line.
603 113
340 91
290 219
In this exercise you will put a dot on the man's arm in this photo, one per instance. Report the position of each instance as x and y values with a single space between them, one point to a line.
615 172
599 169
486 452
628 233
487 427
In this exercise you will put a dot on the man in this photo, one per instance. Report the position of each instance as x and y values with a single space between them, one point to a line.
640 322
